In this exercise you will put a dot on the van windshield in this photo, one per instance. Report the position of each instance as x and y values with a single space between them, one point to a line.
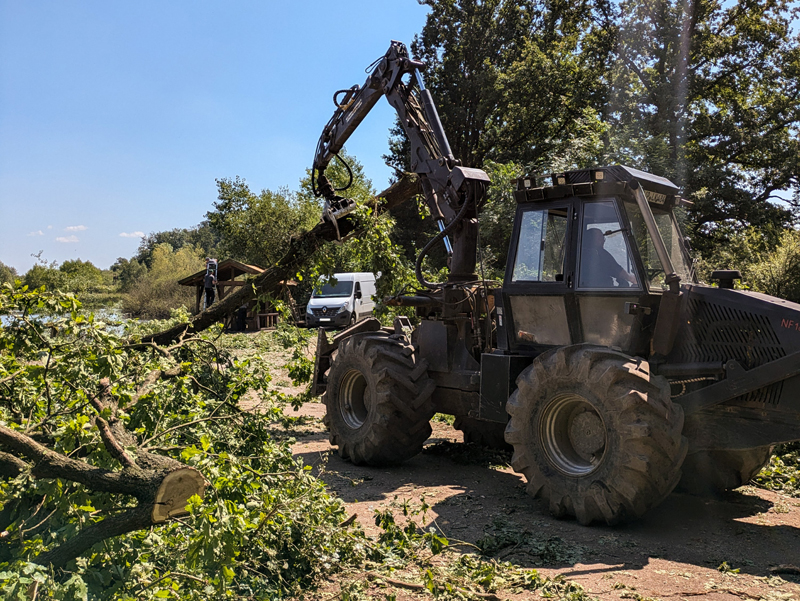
330 290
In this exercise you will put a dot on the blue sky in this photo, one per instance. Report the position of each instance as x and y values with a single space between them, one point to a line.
117 117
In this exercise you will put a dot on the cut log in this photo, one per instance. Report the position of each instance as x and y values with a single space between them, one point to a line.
174 493
300 251
161 485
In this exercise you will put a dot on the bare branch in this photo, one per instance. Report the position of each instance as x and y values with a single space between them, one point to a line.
112 445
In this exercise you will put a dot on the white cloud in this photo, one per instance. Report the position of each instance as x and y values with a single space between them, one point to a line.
67 239
75 228
131 235
49 227
37 233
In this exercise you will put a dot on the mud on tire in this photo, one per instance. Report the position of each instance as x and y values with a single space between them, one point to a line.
378 400
713 472
595 434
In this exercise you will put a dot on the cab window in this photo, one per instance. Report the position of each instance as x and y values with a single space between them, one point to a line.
541 246
605 259
673 240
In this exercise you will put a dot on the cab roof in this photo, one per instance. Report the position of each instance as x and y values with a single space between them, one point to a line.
610 181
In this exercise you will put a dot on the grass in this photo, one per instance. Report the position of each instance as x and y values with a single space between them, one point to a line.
782 474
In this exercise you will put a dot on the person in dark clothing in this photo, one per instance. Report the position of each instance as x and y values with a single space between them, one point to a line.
598 268
210 282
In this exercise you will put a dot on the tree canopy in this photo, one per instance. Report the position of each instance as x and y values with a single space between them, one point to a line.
254 228
705 93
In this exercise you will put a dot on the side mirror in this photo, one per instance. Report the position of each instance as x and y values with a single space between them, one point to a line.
358 294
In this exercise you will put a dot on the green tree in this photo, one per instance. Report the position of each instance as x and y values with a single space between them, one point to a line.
7 274
706 93
766 266
517 80
157 293
127 272
45 274
202 236
81 276
254 228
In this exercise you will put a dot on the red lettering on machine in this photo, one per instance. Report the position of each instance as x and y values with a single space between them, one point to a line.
790 324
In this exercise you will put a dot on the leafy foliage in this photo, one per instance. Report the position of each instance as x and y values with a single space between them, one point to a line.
254 228
127 273
265 528
202 237
7 274
706 94
155 294
769 261
516 81
783 472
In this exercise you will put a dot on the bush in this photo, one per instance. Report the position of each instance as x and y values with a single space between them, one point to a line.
769 261
7 274
778 273
157 293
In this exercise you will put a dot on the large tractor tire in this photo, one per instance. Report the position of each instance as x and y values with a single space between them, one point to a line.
378 400
482 432
713 472
595 434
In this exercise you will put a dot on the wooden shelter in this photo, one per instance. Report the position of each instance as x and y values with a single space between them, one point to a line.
230 275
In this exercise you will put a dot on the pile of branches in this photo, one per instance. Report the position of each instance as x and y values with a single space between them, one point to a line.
128 469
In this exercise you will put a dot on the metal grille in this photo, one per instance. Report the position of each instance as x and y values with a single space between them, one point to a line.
328 313
718 333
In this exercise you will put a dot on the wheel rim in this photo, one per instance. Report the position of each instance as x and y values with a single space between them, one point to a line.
573 435
353 403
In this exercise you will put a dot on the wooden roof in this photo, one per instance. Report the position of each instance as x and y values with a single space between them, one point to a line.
226 270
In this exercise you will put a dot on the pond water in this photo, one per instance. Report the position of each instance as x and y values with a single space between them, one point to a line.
115 320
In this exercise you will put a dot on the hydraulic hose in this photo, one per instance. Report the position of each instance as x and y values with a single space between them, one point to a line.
426 249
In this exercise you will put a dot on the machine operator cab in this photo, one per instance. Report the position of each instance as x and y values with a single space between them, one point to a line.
583 265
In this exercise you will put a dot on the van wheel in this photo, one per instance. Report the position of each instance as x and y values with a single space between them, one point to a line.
353 319
713 472
595 434
378 399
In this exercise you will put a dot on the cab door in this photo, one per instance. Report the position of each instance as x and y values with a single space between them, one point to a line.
539 275
607 277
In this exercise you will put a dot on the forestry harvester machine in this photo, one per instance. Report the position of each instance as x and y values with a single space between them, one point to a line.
612 373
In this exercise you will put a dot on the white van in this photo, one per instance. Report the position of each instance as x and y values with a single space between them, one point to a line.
344 303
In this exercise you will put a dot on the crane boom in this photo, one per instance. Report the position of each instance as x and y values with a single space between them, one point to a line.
453 193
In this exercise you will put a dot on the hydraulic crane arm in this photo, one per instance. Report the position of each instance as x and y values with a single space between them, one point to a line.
453 193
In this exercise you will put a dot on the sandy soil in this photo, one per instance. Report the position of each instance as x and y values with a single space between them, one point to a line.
673 552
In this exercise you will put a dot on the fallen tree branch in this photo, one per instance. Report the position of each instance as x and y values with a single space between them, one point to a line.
300 250
136 518
187 424
11 466
112 445
11 376
413 586
161 485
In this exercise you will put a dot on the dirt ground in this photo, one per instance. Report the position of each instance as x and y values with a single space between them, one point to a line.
675 551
